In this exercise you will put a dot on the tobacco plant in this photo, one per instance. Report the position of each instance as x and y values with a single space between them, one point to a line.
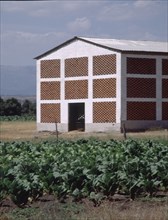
82 168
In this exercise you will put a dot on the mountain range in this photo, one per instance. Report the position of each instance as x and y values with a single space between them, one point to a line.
17 80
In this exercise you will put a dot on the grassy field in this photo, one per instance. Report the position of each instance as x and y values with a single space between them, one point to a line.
17 130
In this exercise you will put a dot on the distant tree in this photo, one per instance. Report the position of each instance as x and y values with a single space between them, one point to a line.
25 107
2 107
32 109
28 107
12 107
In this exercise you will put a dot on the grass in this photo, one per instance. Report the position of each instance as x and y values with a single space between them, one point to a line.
26 130
17 130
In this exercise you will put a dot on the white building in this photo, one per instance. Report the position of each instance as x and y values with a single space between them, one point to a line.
100 84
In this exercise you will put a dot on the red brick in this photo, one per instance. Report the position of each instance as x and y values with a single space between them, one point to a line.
76 89
50 90
76 67
141 66
50 113
141 88
165 66
50 68
164 110
164 88
104 88
104 64
104 112
141 111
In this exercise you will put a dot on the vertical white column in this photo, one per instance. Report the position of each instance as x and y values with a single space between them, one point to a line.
62 80
118 88
38 92
158 88
123 87
89 103
64 108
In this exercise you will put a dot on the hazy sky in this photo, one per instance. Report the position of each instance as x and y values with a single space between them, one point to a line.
29 28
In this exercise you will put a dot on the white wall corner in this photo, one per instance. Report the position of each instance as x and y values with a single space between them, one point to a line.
38 92
118 88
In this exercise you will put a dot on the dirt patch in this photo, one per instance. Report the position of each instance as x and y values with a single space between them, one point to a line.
74 135
119 207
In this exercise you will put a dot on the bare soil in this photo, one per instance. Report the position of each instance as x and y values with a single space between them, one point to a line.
118 208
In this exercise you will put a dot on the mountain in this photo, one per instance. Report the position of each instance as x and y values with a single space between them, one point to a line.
17 80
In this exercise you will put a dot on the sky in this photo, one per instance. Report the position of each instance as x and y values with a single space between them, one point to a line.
30 28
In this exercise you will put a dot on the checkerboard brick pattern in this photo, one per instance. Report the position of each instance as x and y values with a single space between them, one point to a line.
50 113
76 89
104 112
164 110
50 90
50 68
141 66
141 88
141 111
104 88
164 88
165 66
104 64
76 67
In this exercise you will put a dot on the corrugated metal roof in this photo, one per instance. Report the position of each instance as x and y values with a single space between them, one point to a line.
117 45
130 45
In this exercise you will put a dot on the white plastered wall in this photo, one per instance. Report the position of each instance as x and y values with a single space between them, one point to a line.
74 50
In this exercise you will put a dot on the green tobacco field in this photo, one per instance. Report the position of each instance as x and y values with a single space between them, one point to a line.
82 175
85 169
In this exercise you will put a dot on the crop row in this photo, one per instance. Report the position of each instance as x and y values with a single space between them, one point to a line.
18 118
82 168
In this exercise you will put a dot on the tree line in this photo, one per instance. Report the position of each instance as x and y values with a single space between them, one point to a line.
12 106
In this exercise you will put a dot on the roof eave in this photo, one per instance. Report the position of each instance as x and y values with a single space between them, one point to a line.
144 52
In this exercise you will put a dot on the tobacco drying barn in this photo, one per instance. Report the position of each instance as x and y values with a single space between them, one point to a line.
96 84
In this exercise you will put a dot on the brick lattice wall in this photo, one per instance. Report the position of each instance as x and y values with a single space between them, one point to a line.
164 110
104 112
76 89
76 67
141 88
141 66
104 88
50 113
141 111
50 90
165 66
50 68
164 88
104 64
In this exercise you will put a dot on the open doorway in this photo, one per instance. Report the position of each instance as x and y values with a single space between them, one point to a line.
76 116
